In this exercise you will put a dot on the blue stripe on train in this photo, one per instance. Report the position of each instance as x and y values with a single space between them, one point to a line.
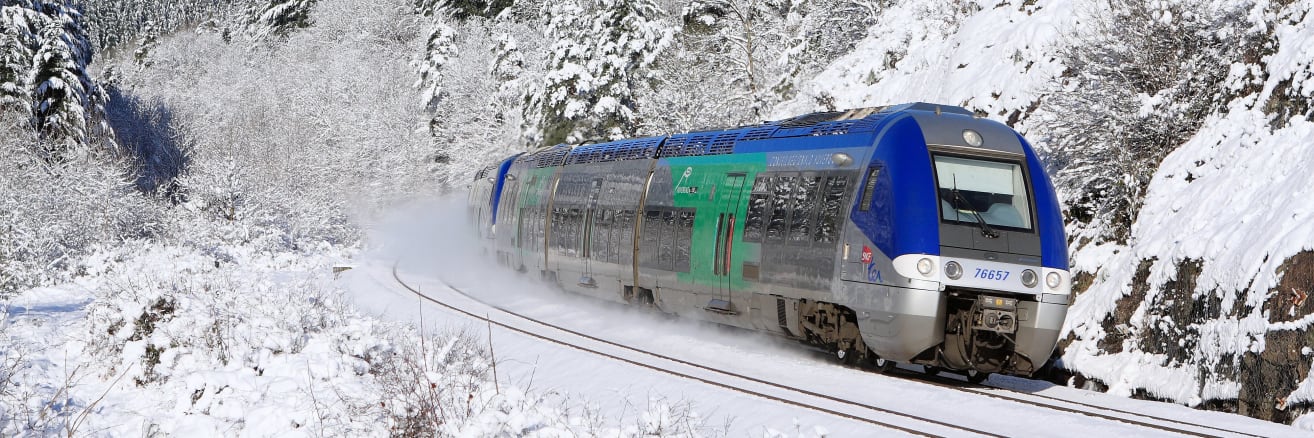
904 163
497 185
1053 239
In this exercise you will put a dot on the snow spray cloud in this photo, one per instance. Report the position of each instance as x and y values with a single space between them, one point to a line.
435 239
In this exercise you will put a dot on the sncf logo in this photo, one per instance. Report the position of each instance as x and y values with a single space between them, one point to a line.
866 254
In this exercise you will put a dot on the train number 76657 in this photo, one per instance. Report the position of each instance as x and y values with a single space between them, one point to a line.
991 274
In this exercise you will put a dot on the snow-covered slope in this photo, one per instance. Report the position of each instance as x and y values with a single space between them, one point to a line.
1204 302
996 57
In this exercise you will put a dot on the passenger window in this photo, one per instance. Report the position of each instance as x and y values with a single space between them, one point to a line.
805 196
667 255
684 239
558 228
573 236
832 203
781 204
651 248
758 202
625 231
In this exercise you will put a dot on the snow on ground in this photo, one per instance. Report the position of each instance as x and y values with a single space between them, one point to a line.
176 341
432 257
180 341
169 340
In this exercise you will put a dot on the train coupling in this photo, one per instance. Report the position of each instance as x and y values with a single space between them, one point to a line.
995 314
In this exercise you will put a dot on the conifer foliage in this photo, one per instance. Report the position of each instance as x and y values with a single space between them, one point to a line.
276 18
44 53
599 61
115 22
439 50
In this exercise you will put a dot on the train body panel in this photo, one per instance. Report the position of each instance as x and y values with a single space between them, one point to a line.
916 233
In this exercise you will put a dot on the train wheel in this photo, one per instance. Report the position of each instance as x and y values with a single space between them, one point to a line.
848 357
882 365
977 377
931 370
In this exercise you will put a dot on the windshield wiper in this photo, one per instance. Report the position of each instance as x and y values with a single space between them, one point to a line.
985 228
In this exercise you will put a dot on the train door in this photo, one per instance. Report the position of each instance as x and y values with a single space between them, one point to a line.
586 246
728 225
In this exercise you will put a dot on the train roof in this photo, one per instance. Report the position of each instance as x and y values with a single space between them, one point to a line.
723 141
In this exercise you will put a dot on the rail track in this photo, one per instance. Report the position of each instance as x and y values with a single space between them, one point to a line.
852 410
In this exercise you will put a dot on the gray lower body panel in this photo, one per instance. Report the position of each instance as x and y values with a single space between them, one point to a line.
897 323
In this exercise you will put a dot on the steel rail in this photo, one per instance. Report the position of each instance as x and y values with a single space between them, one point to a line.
977 389
754 393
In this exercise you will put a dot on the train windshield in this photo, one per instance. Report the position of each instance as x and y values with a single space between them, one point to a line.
973 190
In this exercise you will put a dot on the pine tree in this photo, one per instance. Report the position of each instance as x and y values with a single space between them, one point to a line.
462 9
15 59
766 48
600 60
277 18
145 43
115 22
64 97
439 50
44 53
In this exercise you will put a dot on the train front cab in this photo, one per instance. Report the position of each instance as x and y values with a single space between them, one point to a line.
929 186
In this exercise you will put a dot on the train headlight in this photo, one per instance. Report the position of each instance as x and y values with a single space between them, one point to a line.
972 138
1029 278
925 266
953 270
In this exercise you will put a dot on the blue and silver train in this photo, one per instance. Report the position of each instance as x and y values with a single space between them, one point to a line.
916 233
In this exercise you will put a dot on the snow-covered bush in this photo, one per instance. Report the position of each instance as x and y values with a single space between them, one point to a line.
53 215
291 145
427 384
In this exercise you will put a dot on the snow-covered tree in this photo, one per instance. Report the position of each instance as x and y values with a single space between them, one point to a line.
599 61
15 59
276 18
463 9
43 75
145 42
759 51
115 22
1143 78
439 50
